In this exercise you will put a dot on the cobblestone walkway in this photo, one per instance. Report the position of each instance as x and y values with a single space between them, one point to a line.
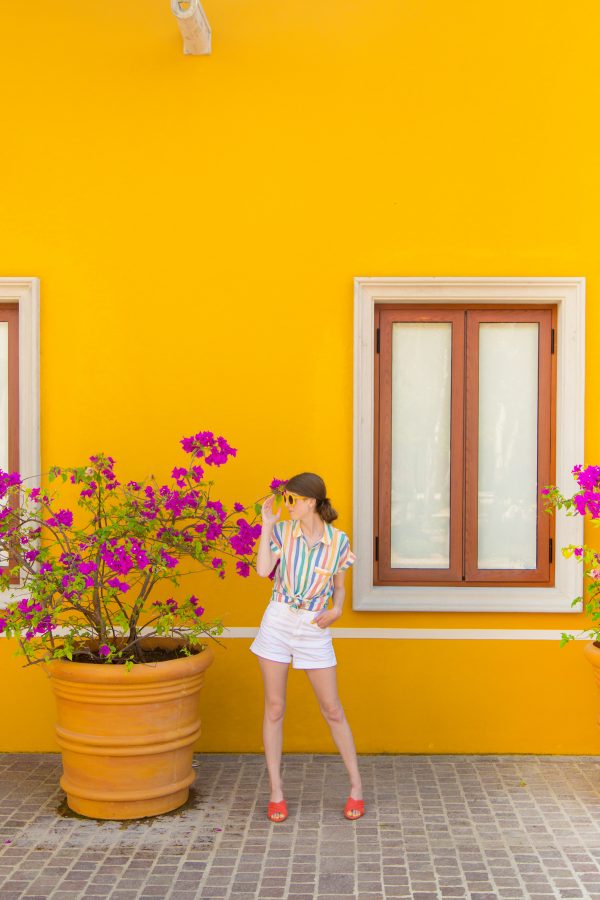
481 827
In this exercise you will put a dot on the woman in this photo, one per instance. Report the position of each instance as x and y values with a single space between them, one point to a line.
311 558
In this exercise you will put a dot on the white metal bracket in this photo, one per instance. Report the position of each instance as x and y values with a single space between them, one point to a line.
193 26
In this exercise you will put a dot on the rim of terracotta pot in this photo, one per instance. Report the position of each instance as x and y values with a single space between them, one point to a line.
140 672
592 652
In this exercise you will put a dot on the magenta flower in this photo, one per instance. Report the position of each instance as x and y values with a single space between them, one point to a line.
117 559
588 478
44 625
7 481
90 490
214 531
179 475
170 561
130 538
218 448
276 483
62 517
218 507
243 542
119 585
587 501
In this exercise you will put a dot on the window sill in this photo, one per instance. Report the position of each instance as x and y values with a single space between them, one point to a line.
459 599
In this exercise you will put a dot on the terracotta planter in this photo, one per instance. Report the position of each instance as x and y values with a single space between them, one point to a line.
127 737
593 654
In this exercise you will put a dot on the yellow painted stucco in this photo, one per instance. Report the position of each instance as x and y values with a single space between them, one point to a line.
196 225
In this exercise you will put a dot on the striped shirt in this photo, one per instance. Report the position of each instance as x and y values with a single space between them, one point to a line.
304 576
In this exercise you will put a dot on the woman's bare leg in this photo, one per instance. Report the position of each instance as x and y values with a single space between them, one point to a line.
324 682
275 681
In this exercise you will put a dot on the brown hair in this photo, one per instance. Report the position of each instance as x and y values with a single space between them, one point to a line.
307 484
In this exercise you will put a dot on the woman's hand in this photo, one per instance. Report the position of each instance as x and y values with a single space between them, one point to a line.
326 617
267 511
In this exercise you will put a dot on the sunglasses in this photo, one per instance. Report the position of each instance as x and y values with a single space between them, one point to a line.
290 499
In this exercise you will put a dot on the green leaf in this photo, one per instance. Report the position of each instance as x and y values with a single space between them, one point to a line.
257 509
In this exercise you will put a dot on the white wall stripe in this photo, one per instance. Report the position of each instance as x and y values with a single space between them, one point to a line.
425 634
417 634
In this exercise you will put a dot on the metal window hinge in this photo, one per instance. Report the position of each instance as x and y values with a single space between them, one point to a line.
378 340
552 341
377 549
550 550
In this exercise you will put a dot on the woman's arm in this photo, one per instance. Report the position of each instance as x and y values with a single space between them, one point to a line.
339 591
266 560
327 617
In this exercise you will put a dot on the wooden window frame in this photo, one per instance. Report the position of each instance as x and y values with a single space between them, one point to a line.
568 295
384 573
465 320
9 313
543 574
23 295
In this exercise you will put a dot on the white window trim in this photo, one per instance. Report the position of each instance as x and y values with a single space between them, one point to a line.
26 292
569 295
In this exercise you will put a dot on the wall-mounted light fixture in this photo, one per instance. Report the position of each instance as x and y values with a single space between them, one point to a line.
193 26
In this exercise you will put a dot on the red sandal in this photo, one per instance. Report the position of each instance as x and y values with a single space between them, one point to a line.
352 804
277 807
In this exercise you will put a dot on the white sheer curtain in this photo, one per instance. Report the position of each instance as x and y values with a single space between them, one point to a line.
421 394
4 396
508 403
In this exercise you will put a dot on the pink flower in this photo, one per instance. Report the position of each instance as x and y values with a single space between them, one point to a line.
179 475
104 650
119 585
90 490
169 561
62 517
277 482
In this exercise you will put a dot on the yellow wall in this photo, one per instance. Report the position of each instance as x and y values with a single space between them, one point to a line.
178 211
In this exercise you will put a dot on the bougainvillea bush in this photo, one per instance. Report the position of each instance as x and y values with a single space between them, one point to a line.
585 502
86 580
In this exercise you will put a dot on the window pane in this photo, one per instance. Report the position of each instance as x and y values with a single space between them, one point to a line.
507 487
421 393
4 396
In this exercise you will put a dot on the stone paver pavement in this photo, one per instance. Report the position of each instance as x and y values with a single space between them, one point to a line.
436 828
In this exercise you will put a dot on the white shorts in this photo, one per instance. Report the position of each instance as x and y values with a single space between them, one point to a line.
287 634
